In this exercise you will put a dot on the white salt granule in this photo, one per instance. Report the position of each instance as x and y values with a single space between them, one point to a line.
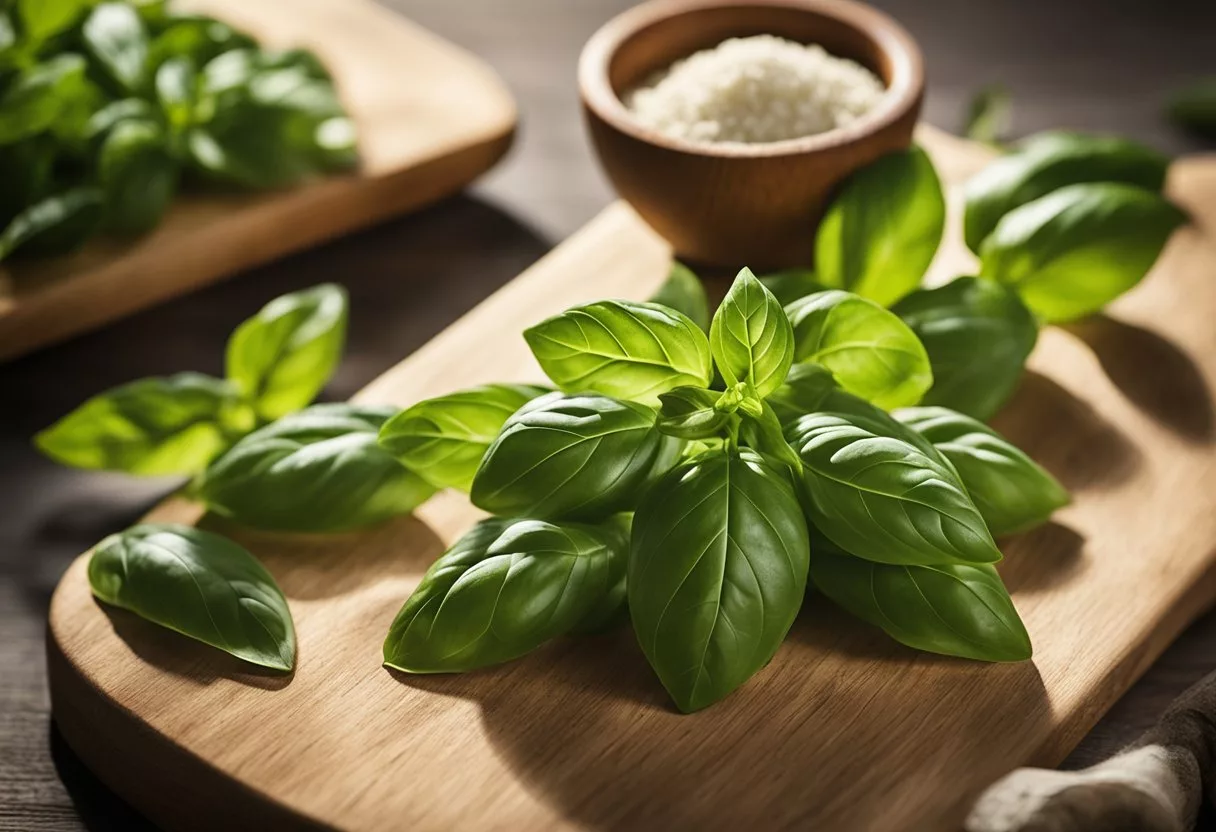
756 89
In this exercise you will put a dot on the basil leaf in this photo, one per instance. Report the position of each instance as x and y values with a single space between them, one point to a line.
954 609
628 350
115 36
870 351
1194 108
881 233
177 92
318 470
1051 161
102 121
1078 248
504 589
790 285
803 392
154 426
978 335
199 584
197 38
717 573
444 439
283 356
880 496
55 225
8 37
683 292
989 115
31 103
689 413
569 456
138 176
750 337
763 431
43 18
1012 492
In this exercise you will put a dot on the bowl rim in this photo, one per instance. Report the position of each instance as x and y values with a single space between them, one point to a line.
902 94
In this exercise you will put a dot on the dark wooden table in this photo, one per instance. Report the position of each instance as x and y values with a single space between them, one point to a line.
1090 64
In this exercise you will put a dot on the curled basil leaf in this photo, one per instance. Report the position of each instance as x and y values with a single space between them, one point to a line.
1078 248
444 439
1012 492
683 292
199 584
154 426
750 338
717 573
282 357
689 413
506 588
881 233
115 36
318 470
978 335
138 176
57 224
869 350
569 456
628 350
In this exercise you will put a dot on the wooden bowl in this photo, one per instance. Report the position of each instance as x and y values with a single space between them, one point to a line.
734 205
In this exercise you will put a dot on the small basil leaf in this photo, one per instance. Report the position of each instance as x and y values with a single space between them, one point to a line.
55 225
689 413
717 573
763 431
44 18
881 233
989 115
318 470
790 285
284 355
506 588
683 292
177 92
115 36
1012 492
154 426
569 456
750 337
880 496
628 350
954 609
1051 161
978 335
803 392
199 584
1078 248
870 351
138 176
1194 108
444 439
34 100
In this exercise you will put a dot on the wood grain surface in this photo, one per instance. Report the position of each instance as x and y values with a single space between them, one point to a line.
843 730
431 118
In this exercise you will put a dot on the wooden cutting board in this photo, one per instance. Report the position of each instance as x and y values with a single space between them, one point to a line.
431 117
843 730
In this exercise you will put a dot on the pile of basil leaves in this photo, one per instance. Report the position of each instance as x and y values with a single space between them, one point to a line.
690 473
106 109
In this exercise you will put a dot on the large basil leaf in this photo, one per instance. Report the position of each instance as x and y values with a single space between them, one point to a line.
444 439
959 609
1078 248
318 470
978 335
138 176
689 413
881 233
506 588
750 338
881 496
870 351
569 456
1052 161
115 35
282 356
154 426
1012 492
199 584
683 292
717 572
44 18
57 224
33 101
1194 108
628 350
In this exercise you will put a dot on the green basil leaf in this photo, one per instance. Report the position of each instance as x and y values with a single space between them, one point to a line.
628 350
138 176
197 38
954 609
8 37
870 351
763 431
34 100
153 426
978 335
114 34
1078 248
55 225
750 337
569 456
683 292
1194 108
177 92
881 496
504 589
790 285
1052 161
444 439
689 413
803 392
283 356
989 115
199 584
881 233
44 18
102 121
1012 492
717 573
